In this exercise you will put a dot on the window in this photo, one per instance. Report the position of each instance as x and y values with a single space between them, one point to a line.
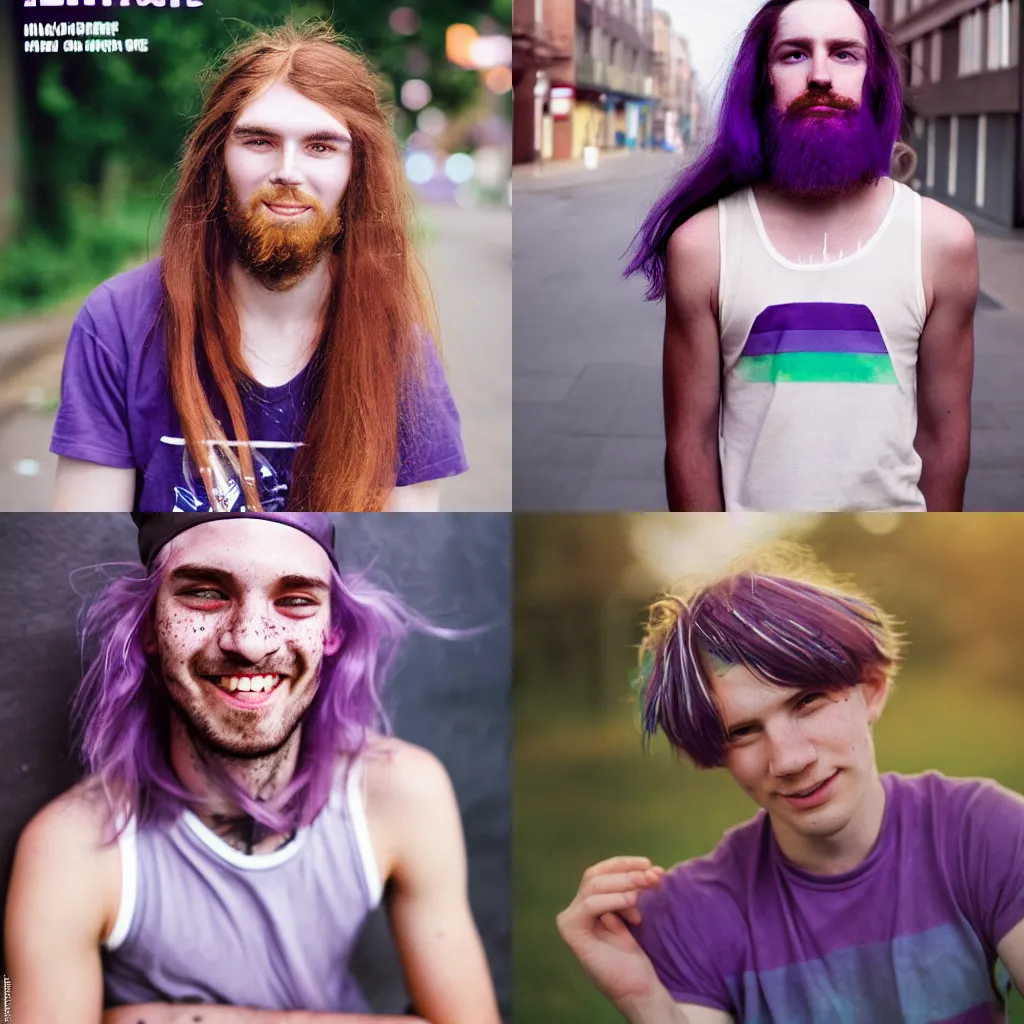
954 148
979 188
929 174
972 42
935 71
917 62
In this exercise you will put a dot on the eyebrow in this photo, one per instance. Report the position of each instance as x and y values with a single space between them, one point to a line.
789 702
807 43
207 573
249 131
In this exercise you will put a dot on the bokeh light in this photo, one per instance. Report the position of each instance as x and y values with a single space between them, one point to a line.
416 94
404 20
459 168
419 168
498 80
432 121
459 40
491 51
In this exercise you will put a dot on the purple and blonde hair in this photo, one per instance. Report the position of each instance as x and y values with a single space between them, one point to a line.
734 158
791 623
121 711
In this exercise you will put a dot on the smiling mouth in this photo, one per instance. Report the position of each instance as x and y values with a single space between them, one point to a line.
266 683
286 211
803 793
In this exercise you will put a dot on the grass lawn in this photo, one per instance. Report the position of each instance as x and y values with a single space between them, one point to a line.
584 791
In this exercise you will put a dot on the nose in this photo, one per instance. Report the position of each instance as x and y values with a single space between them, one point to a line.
250 637
286 172
790 751
821 72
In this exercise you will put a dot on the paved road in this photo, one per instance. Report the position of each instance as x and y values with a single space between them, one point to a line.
469 260
587 350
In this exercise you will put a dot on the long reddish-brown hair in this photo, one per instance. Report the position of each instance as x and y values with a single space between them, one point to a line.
379 309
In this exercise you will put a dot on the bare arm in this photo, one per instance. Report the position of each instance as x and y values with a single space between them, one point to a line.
1011 952
691 374
58 909
411 804
88 487
945 367
424 497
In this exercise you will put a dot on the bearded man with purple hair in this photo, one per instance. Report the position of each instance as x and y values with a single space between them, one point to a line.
819 340
852 896
242 817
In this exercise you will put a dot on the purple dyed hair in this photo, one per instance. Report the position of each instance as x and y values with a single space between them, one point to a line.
788 631
121 711
734 158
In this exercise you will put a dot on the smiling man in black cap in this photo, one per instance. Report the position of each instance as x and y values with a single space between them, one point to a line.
242 816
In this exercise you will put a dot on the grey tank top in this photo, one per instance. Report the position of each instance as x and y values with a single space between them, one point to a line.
202 922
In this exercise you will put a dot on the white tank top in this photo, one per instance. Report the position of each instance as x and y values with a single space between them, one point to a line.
819 399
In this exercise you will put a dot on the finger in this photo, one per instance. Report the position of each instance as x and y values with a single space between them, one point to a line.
618 864
620 882
614 924
632 915
593 907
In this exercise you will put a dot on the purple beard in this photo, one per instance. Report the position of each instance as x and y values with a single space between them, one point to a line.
823 156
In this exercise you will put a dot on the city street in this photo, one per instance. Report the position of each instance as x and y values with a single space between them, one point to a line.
587 351
467 256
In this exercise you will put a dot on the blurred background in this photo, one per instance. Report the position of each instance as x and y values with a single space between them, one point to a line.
584 790
612 99
89 143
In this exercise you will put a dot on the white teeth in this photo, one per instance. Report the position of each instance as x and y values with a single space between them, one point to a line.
248 684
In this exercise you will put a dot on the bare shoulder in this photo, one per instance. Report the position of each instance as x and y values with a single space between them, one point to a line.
695 240
946 233
77 821
66 868
402 777
692 258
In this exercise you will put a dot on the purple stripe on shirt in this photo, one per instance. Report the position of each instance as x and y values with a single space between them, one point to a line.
815 316
765 343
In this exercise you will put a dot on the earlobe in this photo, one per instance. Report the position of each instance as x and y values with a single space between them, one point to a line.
332 642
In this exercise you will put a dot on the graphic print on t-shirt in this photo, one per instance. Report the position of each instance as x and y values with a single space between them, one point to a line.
271 461
816 342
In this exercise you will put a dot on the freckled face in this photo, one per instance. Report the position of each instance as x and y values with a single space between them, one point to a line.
805 756
242 622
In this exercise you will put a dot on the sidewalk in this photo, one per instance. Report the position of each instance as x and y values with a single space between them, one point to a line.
614 164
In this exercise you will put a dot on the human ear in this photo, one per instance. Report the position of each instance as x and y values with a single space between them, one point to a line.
147 633
332 642
876 693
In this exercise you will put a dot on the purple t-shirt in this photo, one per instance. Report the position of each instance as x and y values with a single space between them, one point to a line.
908 935
116 409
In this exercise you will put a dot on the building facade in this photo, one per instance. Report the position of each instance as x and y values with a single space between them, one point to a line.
614 96
963 80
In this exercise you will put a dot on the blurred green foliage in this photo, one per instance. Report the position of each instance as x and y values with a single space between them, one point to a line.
583 788
100 135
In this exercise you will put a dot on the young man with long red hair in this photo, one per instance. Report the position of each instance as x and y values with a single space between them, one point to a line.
281 352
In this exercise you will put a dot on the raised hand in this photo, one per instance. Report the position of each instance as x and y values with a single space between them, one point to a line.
594 928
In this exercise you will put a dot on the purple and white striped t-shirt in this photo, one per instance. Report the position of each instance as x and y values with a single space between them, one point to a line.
908 936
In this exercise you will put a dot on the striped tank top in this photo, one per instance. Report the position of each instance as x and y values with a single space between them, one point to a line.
819 364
